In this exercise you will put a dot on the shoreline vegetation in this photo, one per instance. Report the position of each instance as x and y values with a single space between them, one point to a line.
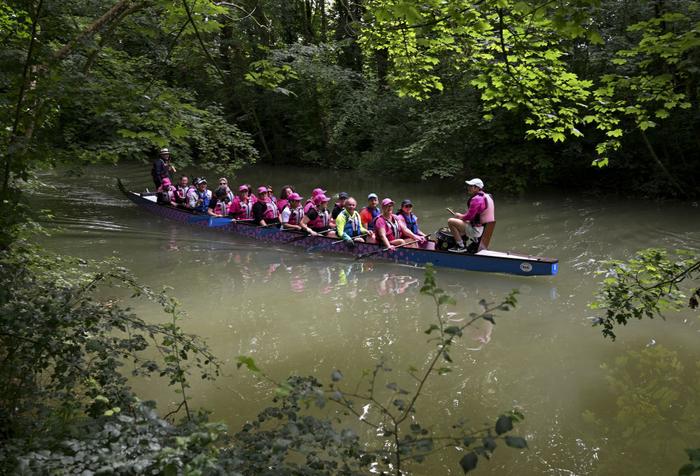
584 93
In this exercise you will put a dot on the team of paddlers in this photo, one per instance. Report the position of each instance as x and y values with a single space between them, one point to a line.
375 223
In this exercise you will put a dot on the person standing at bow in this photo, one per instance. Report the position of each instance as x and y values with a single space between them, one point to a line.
264 210
470 225
162 168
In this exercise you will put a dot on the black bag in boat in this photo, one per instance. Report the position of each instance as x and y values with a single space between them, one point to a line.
162 198
445 240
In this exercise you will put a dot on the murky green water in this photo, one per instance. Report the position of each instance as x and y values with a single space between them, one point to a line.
592 406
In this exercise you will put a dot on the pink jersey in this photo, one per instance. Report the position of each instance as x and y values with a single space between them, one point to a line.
390 226
241 210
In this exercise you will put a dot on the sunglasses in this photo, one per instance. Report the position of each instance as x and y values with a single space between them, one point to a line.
223 183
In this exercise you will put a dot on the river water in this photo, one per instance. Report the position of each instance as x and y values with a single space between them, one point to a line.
591 406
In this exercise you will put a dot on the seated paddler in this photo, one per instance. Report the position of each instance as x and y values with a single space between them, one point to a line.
199 197
348 224
265 211
218 205
317 219
469 226
293 212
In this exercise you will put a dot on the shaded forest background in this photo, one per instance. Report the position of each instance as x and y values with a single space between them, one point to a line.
325 84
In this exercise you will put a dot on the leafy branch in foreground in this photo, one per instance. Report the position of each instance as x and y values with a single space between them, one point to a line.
645 286
388 408
63 350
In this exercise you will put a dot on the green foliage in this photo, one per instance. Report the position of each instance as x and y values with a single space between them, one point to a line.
133 442
644 286
518 55
63 350
694 465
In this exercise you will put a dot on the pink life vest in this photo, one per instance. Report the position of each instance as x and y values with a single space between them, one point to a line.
281 204
488 215
221 208
181 193
295 215
391 226
322 219
271 211
308 204
241 210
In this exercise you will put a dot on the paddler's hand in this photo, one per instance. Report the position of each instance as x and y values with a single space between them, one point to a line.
391 248
313 233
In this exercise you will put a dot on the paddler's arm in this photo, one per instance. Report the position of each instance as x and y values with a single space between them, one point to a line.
340 221
475 207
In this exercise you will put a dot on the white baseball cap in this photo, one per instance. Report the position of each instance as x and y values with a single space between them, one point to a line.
476 182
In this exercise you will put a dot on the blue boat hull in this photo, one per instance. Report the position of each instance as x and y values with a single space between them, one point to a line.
490 262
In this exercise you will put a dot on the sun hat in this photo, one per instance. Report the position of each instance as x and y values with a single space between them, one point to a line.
318 191
262 189
166 182
371 196
164 151
319 199
294 196
343 196
387 201
242 188
406 201
475 182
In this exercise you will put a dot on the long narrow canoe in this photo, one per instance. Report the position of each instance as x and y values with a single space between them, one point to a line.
486 260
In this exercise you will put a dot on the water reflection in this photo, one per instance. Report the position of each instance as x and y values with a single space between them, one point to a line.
297 313
652 401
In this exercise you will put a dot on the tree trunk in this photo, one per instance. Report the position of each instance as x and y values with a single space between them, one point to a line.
23 86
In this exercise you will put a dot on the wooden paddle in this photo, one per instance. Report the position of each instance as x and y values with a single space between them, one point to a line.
315 247
306 235
268 225
364 255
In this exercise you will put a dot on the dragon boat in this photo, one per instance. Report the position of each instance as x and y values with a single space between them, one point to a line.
484 260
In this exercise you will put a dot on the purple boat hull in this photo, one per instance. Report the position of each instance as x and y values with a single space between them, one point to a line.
489 261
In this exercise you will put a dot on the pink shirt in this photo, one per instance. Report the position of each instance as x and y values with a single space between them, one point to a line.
391 228
477 204
241 210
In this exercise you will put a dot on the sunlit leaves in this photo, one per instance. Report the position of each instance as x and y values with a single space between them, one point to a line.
643 286
516 55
